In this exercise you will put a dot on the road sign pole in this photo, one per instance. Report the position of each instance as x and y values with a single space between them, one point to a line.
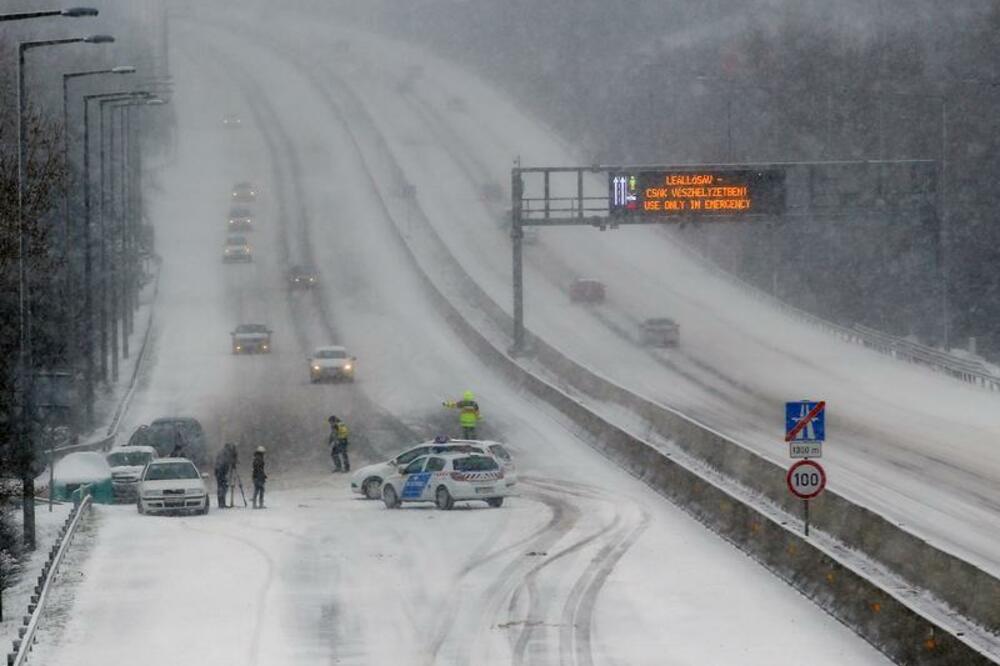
805 512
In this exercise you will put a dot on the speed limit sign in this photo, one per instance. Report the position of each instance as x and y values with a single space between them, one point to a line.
806 479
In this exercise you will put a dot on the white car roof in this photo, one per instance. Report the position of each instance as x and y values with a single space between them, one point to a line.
162 461
133 449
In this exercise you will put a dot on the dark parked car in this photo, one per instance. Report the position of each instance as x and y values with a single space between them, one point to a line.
586 290
173 435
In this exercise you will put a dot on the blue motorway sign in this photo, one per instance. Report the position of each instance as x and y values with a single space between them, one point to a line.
805 421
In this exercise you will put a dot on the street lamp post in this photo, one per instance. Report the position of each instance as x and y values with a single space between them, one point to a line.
72 12
25 364
78 348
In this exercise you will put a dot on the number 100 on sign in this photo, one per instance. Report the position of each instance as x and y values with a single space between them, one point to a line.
806 479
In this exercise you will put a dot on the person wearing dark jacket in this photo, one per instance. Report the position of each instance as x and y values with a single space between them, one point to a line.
259 477
225 467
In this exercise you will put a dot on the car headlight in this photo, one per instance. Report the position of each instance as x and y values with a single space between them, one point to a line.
348 367
316 368
263 346
239 348
149 495
195 491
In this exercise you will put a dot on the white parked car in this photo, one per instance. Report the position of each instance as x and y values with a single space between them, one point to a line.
446 478
172 485
332 362
127 463
368 480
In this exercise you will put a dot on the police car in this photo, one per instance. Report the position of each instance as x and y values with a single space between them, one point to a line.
446 478
367 480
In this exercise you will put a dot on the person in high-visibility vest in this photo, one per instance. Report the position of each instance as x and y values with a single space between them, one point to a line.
338 445
468 413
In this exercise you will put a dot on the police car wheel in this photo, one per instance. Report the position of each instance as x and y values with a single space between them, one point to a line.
372 488
495 502
390 498
443 499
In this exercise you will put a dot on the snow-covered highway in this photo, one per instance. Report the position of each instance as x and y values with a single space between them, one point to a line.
586 566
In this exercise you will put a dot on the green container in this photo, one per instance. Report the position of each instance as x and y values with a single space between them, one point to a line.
79 470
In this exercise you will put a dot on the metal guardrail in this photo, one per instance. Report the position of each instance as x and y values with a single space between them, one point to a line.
26 633
966 370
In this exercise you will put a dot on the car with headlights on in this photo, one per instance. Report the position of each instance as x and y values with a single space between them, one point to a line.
446 478
240 219
367 480
237 249
251 339
232 121
303 276
127 463
245 192
172 485
331 362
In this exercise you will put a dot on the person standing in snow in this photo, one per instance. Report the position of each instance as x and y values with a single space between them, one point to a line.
259 477
222 475
338 445
468 413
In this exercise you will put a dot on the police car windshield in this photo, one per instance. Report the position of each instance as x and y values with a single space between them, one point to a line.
331 353
177 470
251 328
474 464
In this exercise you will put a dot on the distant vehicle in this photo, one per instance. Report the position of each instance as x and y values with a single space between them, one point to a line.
251 339
303 277
232 121
586 290
82 468
172 485
446 478
237 248
240 219
244 191
367 480
168 434
127 463
331 362
660 332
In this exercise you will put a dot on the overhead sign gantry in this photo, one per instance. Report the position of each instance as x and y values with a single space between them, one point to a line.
610 196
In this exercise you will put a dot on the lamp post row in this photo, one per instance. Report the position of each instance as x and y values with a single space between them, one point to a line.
80 329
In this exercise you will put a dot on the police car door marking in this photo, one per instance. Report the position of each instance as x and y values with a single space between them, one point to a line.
415 484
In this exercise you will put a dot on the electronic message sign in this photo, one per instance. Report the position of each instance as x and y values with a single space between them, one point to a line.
697 192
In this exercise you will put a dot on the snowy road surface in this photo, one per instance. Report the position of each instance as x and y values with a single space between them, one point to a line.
585 566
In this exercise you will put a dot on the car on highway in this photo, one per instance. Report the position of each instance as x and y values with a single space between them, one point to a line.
331 362
172 485
240 219
244 191
251 339
237 248
446 478
303 276
82 468
127 463
367 480
232 121
586 290
660 332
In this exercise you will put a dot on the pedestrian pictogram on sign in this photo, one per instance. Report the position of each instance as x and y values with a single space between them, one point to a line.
805 421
